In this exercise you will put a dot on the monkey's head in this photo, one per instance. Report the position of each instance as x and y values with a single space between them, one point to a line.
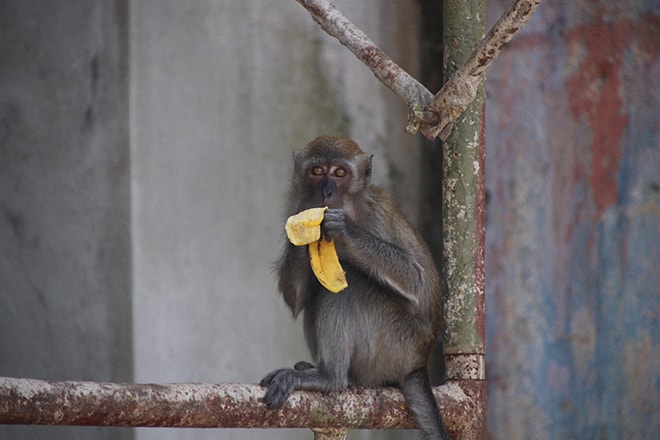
331 171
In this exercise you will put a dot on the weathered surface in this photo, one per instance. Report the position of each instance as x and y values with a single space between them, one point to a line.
463 217
65 250
466 83
463 194
573 176
144 153
436 116
31 401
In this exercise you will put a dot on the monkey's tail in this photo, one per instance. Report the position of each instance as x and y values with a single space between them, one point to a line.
417 391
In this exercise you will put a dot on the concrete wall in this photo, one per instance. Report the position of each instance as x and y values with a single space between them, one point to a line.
65 260
221 93
144 153
573 176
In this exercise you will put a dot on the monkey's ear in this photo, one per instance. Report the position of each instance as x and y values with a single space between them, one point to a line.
368 166
297 157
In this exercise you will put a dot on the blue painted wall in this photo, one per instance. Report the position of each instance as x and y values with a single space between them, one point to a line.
573 224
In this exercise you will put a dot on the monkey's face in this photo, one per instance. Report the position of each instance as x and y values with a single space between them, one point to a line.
330 171
328 182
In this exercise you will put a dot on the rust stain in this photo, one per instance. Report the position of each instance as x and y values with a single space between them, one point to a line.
37 402
376 58
649 30
530 41
594 92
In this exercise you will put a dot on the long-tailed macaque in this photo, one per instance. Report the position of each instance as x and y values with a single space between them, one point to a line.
382 327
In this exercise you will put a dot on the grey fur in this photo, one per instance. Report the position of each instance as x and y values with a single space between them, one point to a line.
382 327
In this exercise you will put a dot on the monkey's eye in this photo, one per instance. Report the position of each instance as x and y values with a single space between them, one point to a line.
317 171
340 172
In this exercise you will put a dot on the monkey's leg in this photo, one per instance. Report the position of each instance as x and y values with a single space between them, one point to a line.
418 394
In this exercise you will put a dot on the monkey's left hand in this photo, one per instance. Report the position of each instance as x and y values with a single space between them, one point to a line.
280 384
335 224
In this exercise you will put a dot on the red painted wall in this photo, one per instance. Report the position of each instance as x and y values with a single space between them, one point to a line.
573 224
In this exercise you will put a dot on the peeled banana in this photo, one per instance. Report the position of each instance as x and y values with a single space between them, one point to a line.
305 228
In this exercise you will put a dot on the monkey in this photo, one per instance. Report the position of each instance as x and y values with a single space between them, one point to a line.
380 330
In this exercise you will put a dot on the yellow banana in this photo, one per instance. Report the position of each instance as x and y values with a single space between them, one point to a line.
305 228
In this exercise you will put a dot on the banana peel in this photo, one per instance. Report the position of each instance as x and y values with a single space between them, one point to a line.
304 228
326 266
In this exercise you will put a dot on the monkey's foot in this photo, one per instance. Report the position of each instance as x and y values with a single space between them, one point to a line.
280 384
303 365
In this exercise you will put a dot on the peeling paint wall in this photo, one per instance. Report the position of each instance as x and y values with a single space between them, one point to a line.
573 224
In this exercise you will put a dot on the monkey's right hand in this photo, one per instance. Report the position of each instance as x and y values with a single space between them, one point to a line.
280 384
335 224
305 228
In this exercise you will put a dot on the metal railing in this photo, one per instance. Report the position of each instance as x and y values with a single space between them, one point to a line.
203 405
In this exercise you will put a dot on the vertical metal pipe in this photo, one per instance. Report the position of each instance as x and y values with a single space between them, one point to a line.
464 204
463 219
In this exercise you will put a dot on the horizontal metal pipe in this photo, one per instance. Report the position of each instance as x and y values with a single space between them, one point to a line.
203 405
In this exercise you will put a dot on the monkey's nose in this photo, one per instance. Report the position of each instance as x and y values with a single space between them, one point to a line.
328 188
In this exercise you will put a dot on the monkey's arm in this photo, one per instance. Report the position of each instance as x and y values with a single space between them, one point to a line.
294 275
391 264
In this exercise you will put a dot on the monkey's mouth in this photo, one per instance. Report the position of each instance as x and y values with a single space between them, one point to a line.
331 202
